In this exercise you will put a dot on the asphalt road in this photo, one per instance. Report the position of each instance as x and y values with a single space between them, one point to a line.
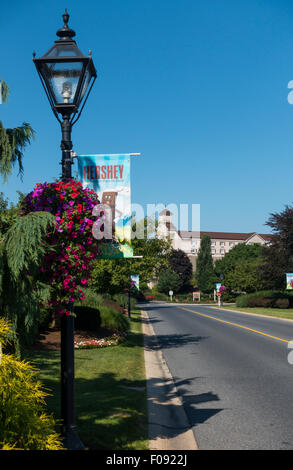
232 372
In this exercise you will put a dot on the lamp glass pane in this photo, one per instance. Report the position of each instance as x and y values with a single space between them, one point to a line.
62 78
63 50
87 79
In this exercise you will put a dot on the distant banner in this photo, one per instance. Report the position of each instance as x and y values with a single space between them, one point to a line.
135 279
289 278
109 177
218 285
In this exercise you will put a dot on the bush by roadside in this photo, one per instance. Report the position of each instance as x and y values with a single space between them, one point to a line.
95 311
24 425
112 319
265 299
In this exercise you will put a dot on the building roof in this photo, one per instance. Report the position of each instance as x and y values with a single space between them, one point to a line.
223 235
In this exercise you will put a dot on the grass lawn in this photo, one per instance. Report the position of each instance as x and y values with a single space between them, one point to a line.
110 414
271 312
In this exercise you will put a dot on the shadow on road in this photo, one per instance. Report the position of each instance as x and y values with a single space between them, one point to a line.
164 414
171 341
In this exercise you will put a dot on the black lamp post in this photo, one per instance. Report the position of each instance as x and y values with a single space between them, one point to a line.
67 77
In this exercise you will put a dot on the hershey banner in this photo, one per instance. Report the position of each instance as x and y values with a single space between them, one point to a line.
109 177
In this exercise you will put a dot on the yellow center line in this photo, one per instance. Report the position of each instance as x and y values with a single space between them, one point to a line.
234 324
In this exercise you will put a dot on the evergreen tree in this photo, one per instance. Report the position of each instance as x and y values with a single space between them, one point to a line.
204 275
21 254
12 141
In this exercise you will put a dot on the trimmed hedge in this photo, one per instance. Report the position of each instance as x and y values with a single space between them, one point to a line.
266 299
87 318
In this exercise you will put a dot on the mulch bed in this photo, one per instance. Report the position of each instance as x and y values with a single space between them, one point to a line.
51 339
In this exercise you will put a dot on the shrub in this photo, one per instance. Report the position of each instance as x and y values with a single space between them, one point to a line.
161 296
149 297
282 303
122 300
87 318
184 298
229 297
264 299
114 305
91 299
114 320
24 425
264 302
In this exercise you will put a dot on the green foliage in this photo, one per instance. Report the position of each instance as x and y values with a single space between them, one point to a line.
278 257
241 268
114 320
91 299
95 311
23 421
181 264
169 280
24 241
12 141
122 300
282 303
204 275
12 145
4 88
160 295
245 276
21 253
7 215
112 276
265 299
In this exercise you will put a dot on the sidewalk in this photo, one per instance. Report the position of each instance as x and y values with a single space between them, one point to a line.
168 425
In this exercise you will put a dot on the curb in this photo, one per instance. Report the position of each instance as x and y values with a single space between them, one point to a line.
168 426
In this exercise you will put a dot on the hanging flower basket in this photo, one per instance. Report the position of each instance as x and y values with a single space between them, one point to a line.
71 246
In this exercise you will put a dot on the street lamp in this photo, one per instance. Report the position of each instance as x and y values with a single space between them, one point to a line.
67 77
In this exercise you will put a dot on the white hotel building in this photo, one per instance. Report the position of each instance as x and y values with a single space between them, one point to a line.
189 242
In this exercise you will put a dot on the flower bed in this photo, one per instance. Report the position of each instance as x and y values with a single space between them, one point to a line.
91 343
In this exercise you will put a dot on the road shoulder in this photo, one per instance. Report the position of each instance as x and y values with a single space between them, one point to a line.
168 426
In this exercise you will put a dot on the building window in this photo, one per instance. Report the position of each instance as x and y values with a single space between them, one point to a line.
222 251
213 251
231 244
222 244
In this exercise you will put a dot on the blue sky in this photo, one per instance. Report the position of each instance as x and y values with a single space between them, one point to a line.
199 87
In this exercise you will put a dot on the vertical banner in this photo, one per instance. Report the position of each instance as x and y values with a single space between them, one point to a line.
289 278
135 279
218 285
109 177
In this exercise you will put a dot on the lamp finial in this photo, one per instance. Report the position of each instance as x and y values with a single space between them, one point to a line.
65 33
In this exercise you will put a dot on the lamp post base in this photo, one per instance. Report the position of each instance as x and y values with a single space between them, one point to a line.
71 440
